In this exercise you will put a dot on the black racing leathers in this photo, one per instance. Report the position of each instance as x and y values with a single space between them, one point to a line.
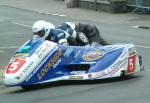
78 33
91 32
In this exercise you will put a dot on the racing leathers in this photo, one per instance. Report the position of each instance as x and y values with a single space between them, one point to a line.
58 36
70 33
82 34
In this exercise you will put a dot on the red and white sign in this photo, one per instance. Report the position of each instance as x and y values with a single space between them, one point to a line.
15 66
131 64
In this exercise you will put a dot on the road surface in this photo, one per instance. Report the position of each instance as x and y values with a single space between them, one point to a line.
15 29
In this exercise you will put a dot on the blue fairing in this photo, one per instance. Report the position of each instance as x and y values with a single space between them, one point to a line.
106 61
67 55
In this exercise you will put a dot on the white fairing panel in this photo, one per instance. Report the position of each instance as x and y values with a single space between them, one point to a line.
29 64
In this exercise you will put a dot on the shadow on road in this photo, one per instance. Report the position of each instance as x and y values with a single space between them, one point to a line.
75 82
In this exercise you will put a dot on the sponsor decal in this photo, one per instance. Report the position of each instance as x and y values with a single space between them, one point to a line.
89 75
131 64
68 52
77 72
28 67
21 55
61 72
35 70
118 68
93 55
75 77
14 66
112 70
53 62
100 74
116 65
41 51
25 70
44 48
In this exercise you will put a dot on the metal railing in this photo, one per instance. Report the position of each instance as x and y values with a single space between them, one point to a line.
98 1
139 5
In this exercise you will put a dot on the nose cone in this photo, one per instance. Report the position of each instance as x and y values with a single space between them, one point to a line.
10 80
12 75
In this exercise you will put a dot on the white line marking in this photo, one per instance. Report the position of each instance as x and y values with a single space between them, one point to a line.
52 14
9 47
21 24
141 27
141 46
135 26
58 15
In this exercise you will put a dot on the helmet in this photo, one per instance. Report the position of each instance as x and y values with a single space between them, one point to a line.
42 28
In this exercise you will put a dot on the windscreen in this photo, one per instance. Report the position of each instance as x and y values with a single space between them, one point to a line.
27 49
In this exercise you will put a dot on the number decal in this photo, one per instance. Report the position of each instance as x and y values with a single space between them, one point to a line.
131 64
15 66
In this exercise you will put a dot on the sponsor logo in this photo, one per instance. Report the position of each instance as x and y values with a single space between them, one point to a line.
116 65
112 70
89 75
118 68
41 51
77 72
131 64
13 67
22 55
28 67
93 55
75 77
25 70
35 70
53 62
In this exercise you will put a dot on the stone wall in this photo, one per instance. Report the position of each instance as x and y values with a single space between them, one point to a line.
113 6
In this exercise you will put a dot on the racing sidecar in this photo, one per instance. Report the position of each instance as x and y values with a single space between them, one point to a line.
39 61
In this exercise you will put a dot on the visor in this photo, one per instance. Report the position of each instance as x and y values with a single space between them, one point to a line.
40 33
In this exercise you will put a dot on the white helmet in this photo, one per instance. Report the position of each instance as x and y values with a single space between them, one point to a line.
42 28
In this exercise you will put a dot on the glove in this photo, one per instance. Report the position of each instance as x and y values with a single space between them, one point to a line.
63 41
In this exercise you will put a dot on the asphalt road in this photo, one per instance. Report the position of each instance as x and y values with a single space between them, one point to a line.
15 29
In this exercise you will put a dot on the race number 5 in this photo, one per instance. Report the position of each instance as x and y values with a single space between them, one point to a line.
15 66
131 64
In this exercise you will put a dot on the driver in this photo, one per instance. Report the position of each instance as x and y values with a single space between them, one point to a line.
68 33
